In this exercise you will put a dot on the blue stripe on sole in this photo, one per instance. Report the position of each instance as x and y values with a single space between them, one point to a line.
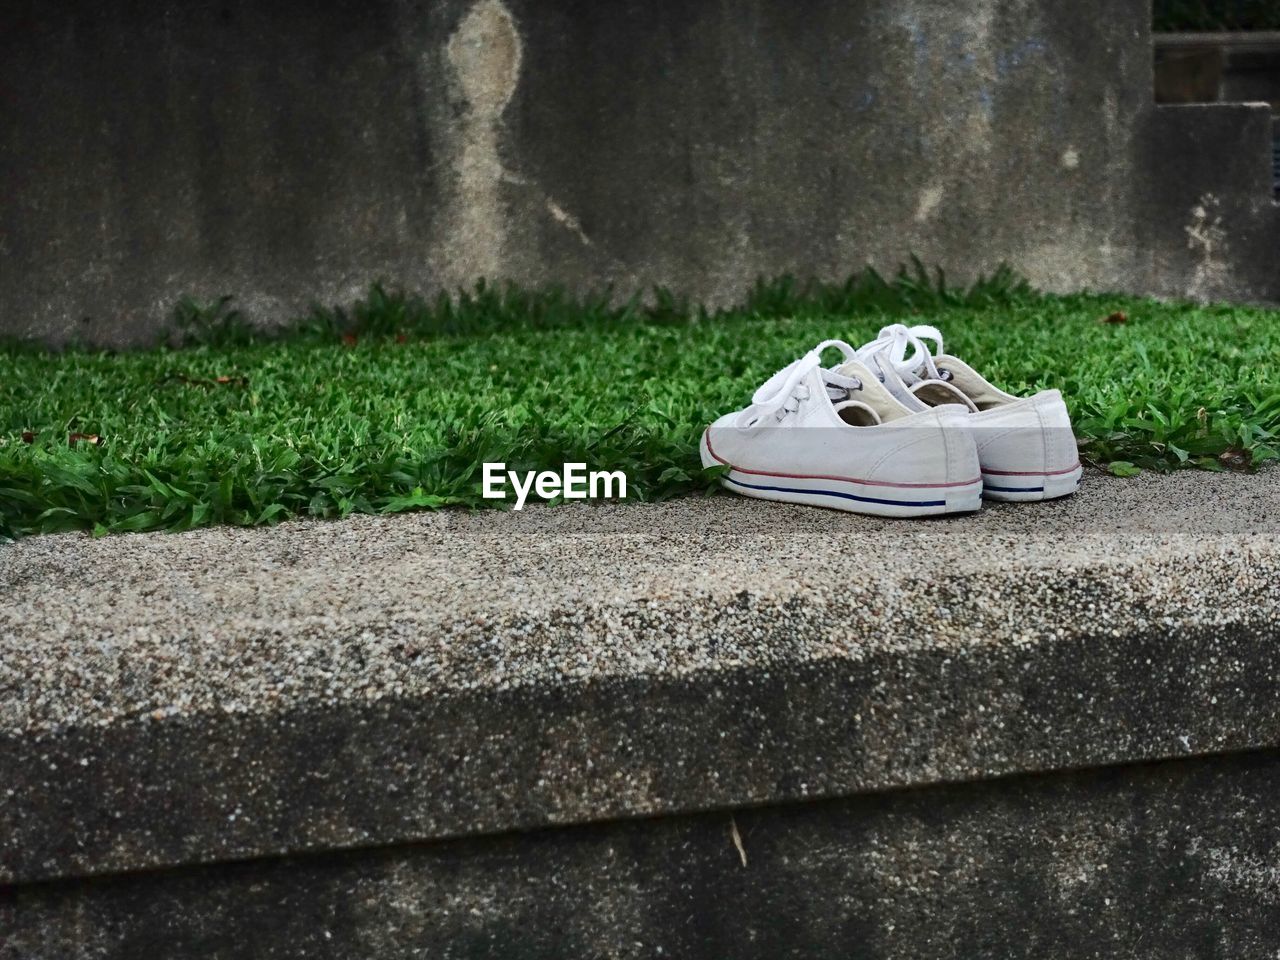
846 496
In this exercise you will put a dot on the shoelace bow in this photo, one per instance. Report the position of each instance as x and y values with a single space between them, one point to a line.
893 342
778 393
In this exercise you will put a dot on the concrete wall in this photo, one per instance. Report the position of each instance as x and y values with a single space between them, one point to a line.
1173 860
292 151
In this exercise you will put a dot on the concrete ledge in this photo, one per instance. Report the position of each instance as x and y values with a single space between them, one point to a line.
1228 40
226 694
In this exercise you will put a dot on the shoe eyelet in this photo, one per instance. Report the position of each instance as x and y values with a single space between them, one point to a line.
946 376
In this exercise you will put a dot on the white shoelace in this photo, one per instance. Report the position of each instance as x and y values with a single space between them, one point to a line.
894 340
780 394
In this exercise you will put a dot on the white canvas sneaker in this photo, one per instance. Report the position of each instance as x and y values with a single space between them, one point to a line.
1025 444
837 438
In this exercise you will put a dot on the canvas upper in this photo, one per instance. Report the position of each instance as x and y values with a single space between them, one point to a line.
839 438
1025 444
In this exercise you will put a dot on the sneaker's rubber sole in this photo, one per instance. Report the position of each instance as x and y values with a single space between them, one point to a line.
850 494
1022 486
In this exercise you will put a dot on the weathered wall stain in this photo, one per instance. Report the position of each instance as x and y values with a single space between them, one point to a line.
930 197
484 53
1248 875
1206 239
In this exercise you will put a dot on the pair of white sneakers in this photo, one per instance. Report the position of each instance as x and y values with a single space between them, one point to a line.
896 429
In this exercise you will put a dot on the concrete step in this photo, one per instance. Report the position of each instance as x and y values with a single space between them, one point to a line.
1222 68
1218 67
170 700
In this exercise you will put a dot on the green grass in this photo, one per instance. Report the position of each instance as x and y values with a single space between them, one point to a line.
396 403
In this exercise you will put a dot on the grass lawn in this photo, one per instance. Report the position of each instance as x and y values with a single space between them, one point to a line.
396 403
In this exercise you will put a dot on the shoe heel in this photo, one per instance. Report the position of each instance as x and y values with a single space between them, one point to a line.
1030 487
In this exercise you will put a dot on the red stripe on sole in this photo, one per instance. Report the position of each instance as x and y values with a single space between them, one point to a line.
1031 473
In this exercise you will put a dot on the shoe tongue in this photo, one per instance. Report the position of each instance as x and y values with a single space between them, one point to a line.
938 392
